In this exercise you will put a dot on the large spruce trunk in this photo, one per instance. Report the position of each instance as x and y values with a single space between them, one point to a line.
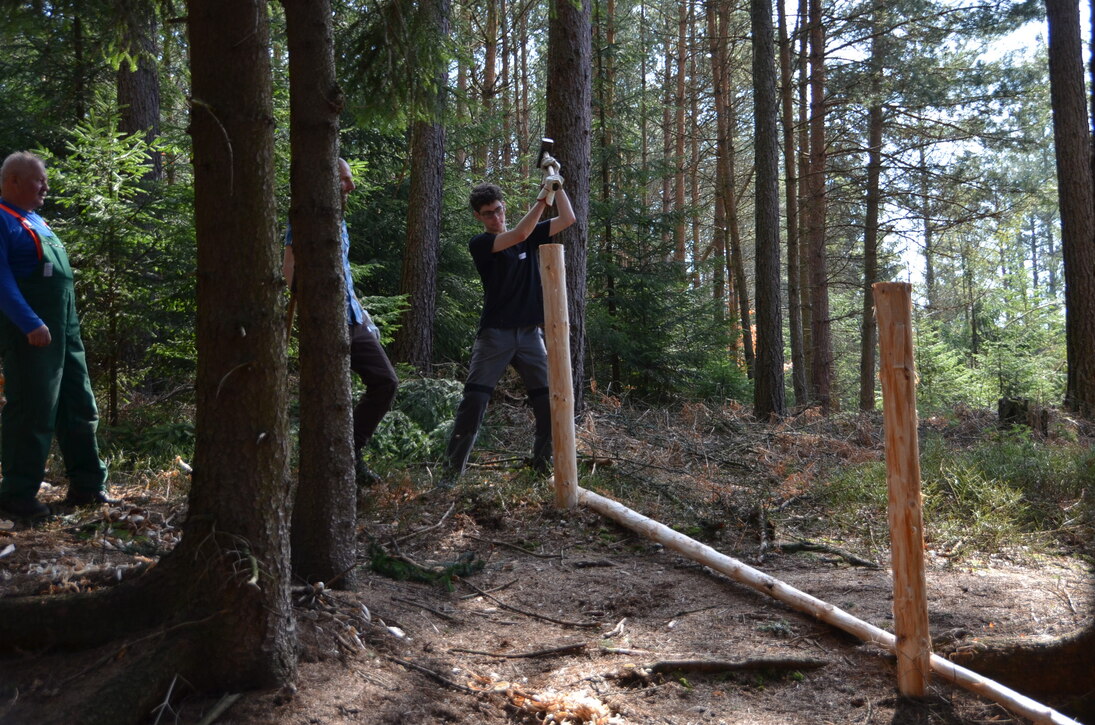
324 521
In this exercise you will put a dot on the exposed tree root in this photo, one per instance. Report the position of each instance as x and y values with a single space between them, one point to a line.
86 619
1060 670
173 624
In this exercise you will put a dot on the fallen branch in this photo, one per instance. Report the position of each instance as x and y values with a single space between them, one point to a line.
709 666
426 528
433 675
441 614
222 705
498 588
791 547
515 547
527 613
552 652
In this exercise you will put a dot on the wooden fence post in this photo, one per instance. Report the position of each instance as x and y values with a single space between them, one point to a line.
560 382
893 308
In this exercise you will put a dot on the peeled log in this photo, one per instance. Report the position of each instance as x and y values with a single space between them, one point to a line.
803 602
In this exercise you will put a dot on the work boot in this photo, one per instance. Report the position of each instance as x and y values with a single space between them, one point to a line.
363 475
26 507
89 498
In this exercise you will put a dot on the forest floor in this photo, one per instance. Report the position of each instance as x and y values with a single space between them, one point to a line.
534 613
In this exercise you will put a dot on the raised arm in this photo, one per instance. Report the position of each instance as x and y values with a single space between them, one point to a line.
520 233
566 213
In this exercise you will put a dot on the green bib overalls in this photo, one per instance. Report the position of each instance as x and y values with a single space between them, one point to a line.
48 388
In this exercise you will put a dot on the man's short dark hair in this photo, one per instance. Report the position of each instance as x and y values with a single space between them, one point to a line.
482 195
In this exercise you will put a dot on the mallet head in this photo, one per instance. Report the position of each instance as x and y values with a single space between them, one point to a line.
546 145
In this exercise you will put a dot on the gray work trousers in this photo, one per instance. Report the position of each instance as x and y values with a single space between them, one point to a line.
494 349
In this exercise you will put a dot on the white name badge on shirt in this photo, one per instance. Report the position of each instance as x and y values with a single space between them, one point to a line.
47 269
522 255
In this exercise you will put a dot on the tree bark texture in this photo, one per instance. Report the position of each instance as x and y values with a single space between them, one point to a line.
791 186
569 99
418 279
768 390
821 338
325 516
1072 137
240 498
875 121
138 80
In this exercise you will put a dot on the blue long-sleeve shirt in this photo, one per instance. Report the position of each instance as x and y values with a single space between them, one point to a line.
18 260
355 314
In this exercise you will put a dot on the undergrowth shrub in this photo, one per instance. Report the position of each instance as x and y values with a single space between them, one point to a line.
1007 490
148 437
418 426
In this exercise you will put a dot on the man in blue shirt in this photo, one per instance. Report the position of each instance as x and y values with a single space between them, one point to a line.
367 357
511 325
47 383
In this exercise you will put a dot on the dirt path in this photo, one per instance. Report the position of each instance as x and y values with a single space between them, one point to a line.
621 603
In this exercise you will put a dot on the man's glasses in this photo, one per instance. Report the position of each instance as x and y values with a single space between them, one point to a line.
493 212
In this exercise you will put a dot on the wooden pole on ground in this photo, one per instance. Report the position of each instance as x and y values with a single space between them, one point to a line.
803 602
893 308
560 379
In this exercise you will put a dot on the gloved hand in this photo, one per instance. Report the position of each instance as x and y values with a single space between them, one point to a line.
549 161
552 184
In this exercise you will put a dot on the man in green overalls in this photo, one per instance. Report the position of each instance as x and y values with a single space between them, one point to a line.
47 384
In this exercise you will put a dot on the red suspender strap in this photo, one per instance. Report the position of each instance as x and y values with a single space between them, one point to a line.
30 230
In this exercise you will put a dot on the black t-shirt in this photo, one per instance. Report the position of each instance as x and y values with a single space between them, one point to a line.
512 294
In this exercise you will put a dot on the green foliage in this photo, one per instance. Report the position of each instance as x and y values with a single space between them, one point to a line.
1026 356
400 569
945 380
419 424
131 244
397 438
151 435
999 493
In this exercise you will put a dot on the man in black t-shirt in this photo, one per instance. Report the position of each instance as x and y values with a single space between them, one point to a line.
510 327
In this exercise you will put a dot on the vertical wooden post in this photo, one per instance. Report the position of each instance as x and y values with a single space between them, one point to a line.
560 383
893 307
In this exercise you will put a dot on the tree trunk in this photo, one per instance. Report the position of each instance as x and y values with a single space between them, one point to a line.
679 232
138 80
768 395
818 268
222 596
325 518
569 95
414 342
804 204
606 86
737 260
1072 138
718 232
791 185
870 226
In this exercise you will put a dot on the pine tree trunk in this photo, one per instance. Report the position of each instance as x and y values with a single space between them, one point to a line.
870 228
414 342
768 395
236 538
606 86
679 231
791 186
804 204
818 267
1076 193
569 101
139 87
324 522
